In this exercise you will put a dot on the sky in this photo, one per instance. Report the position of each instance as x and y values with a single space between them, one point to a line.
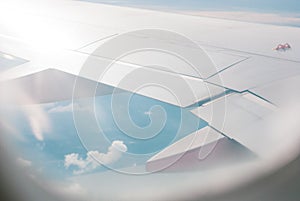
284 13
288 6
61 148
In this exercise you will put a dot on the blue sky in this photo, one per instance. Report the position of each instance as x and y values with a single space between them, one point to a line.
274 6
47 153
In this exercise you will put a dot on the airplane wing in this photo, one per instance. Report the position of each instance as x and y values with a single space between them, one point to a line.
45 44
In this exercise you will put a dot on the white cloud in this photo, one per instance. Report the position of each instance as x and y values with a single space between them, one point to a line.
148 113
73 159
24 163
38 121
36 127
59 109
94 158
66 108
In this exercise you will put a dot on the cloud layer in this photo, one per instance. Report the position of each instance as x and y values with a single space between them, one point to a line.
267 18
94 159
